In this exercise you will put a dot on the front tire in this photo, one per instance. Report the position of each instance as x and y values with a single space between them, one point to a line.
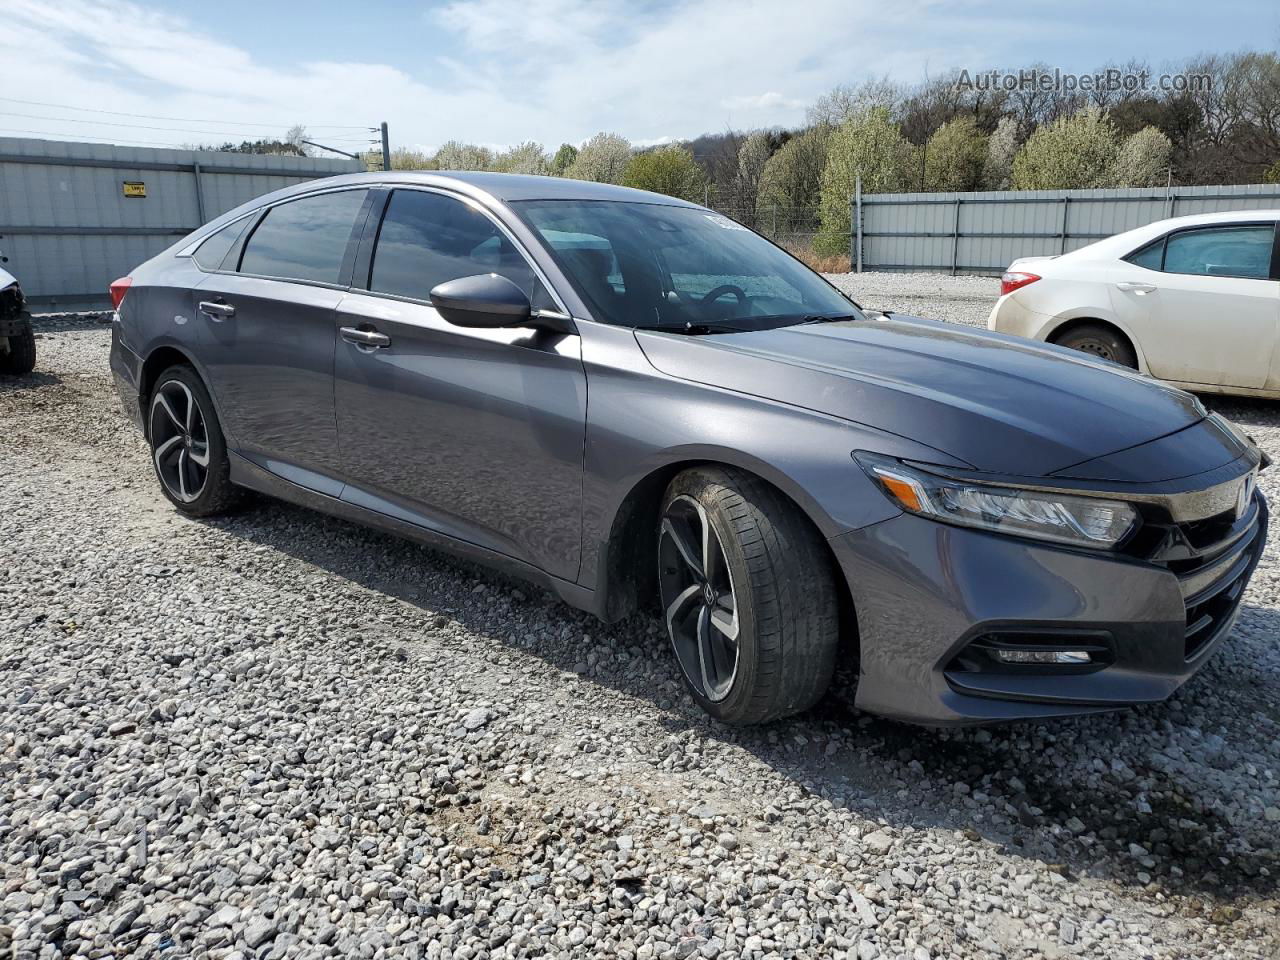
748 596
20 358
188 450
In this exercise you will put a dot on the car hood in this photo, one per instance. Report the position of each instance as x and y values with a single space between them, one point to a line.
999 403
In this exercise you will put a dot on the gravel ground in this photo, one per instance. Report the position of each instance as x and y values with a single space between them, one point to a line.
280 735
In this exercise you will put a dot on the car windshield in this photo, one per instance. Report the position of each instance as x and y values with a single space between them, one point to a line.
687 269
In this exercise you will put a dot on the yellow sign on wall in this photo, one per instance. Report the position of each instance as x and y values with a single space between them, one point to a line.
135 188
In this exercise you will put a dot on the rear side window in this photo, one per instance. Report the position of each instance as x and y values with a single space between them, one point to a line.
1151 256
1243 251
210 254
304 239
427 239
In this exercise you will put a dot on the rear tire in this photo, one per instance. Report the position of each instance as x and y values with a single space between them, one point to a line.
736 557
20 358
1100 341
188 449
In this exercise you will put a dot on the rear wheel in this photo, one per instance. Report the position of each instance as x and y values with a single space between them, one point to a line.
748 596
1102 342
20 358
188 450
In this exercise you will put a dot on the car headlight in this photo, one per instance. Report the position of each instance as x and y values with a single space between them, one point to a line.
1057 517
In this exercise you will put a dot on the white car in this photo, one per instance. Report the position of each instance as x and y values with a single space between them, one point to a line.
1194 301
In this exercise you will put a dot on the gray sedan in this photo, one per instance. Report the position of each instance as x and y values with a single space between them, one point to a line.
638 402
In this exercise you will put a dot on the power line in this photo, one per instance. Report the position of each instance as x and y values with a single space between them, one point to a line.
147 116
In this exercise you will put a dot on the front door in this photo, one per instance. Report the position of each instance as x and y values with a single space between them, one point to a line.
476 433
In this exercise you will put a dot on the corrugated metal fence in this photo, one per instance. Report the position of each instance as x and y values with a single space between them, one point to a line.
74 216
983 232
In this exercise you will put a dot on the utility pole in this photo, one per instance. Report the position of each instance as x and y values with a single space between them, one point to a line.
386 148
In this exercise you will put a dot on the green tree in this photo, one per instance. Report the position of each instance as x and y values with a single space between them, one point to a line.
669 170
1074 152
563 159
527 157
869 146
603 158
1143 160
1273 173
1002 147
462 156
955 156
752 157
402 158
791 181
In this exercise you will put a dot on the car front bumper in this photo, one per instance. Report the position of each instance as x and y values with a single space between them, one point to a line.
925 591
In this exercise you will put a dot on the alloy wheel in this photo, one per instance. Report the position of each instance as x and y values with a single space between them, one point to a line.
179 441
698 598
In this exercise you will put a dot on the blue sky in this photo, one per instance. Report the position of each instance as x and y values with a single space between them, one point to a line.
499 72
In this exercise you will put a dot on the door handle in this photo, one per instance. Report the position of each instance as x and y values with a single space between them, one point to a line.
1128 286
364 338
217 311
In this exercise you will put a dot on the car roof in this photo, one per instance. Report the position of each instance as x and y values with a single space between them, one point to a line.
497 186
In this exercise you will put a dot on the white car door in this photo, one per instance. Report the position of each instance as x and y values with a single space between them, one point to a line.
1204 305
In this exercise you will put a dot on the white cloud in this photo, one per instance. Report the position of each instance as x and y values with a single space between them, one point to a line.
771 100
514 70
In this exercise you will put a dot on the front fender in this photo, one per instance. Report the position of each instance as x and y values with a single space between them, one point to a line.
642 426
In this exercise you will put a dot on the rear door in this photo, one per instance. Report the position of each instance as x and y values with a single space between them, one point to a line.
1206 303
476 433
269 334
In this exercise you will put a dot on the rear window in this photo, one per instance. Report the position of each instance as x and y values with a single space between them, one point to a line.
304 239
210 254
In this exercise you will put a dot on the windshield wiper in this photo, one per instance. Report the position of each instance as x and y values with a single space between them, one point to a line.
691 329
820 318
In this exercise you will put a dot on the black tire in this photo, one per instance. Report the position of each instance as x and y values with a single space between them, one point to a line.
216 493
1101 342
20 358
783 587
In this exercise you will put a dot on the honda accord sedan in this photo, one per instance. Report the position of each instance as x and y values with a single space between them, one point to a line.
638 402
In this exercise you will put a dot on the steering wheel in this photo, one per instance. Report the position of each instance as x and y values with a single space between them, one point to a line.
714 295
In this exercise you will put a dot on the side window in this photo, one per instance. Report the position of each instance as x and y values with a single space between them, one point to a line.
1243 251
304 239
428 238
1151 256
210 254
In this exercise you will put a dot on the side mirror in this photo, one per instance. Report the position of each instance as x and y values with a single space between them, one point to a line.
487 300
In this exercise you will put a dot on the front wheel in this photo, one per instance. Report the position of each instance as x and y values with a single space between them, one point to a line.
20 358
188 450
748 596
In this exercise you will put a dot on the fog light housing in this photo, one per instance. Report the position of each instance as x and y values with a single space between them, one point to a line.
1033 651
1076 657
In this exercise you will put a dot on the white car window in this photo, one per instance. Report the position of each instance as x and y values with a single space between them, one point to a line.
1240 251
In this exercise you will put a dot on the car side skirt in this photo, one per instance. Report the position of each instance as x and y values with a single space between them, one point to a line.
248 474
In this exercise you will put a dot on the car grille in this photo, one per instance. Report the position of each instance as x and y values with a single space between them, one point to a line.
1213 559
